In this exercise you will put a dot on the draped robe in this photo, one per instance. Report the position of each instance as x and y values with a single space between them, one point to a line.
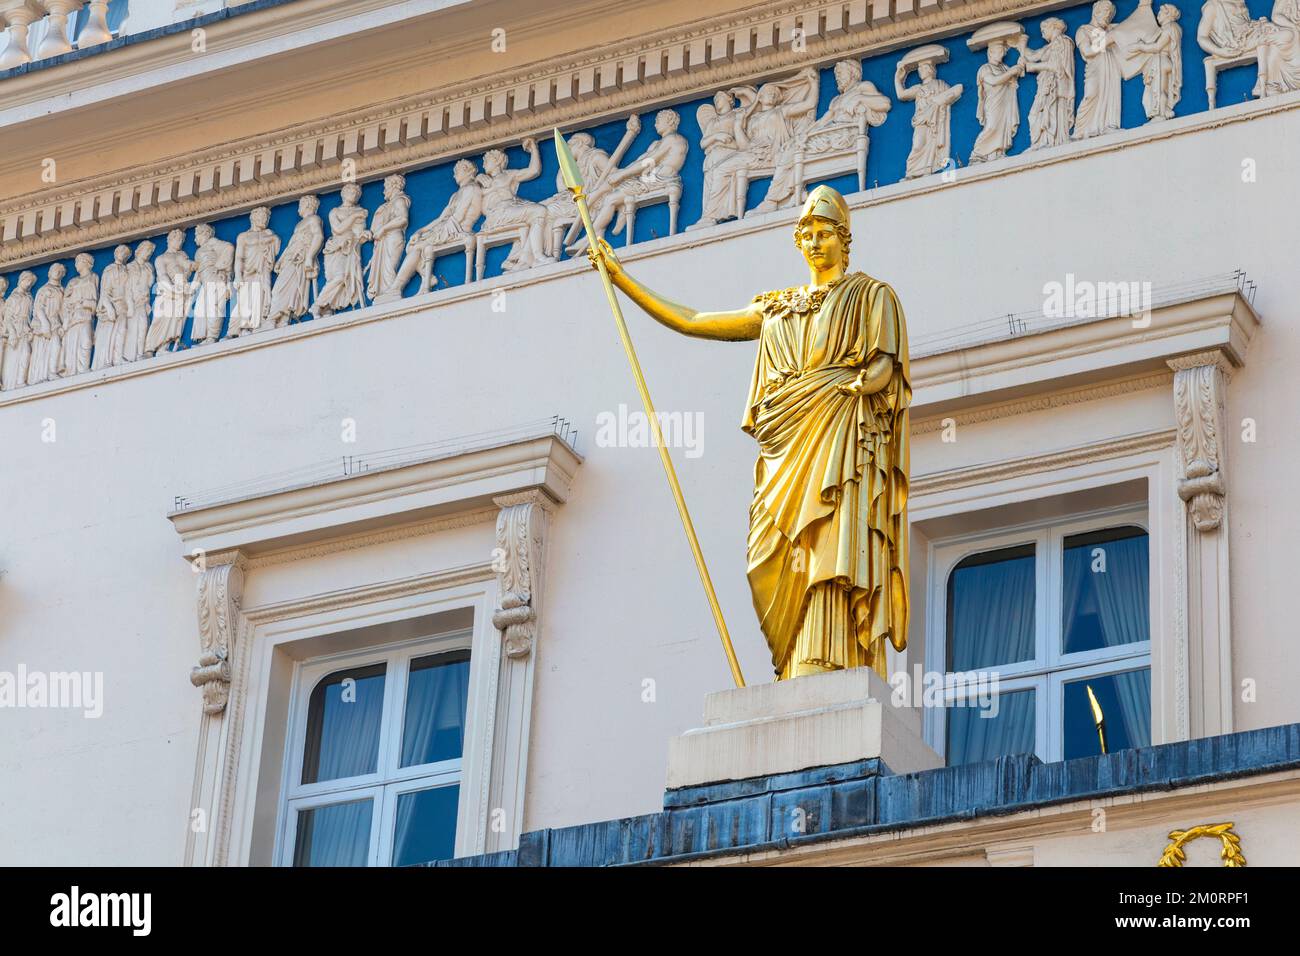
828 522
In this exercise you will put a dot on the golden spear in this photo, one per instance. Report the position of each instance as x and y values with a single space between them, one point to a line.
573 182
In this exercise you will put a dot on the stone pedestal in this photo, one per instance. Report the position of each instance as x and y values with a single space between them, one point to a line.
794 725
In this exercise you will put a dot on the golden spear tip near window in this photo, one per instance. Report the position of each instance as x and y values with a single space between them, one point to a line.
1098 717
573 182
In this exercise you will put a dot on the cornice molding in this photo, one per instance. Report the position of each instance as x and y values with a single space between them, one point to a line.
658 68
969 475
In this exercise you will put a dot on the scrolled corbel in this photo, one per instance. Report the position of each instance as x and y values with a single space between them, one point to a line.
518 559
220 590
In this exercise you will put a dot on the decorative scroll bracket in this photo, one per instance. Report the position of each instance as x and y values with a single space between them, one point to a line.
1199 382
518 560
220 590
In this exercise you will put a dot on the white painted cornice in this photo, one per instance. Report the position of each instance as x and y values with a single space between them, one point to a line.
1088 356
376 501
656 68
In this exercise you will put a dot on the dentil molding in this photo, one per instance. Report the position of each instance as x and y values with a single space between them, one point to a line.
657 68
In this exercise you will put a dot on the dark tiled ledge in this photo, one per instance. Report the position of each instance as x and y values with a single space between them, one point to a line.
864 797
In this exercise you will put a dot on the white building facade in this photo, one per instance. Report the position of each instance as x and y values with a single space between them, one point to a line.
333 534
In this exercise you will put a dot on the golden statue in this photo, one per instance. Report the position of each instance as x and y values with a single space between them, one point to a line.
828 407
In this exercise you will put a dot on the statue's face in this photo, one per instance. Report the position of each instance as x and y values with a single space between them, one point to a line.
26 281
996 52
722 102
57 272
767 96
84 266
260 218
926 71
121 254
820 243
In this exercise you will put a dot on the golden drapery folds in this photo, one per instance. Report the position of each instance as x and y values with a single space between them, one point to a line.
827 555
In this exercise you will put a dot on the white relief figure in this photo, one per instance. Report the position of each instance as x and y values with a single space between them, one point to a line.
772 131
1162 77
344 279
80 299
656 172
214 259
1228 35
47 326
171 301
595 165
932 118
1109 58
4 285
140 280
296 268
1052 113
858 104
720 134
110 313
503 208
255 251
388 235
455 224
998 109
17 319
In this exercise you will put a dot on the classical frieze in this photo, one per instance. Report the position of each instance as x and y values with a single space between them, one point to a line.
254 273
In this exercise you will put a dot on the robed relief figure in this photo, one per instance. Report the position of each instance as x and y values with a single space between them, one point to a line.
827 552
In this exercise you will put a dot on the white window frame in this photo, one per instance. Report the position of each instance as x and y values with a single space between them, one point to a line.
389 780
1050 669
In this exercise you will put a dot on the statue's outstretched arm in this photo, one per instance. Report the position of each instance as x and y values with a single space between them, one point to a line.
738 325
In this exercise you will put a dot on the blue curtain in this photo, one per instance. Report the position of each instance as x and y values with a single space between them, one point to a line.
436 697
335 835
343 723
426 825
991 613
1106 608
973 737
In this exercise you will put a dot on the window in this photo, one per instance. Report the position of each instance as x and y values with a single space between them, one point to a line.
1060 616
375 764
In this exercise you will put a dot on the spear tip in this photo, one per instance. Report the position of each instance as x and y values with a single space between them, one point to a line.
568 166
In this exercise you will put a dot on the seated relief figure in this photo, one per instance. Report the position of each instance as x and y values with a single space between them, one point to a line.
171 296
772 129
857 102
932 117
654 172
595 165
80 299
454 225
503 209
1052 114
720 135
827 405
1226 32
15 325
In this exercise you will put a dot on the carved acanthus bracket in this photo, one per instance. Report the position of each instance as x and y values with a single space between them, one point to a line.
1198 405
518 561
220 590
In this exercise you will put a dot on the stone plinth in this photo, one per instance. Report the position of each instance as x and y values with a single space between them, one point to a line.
798 724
